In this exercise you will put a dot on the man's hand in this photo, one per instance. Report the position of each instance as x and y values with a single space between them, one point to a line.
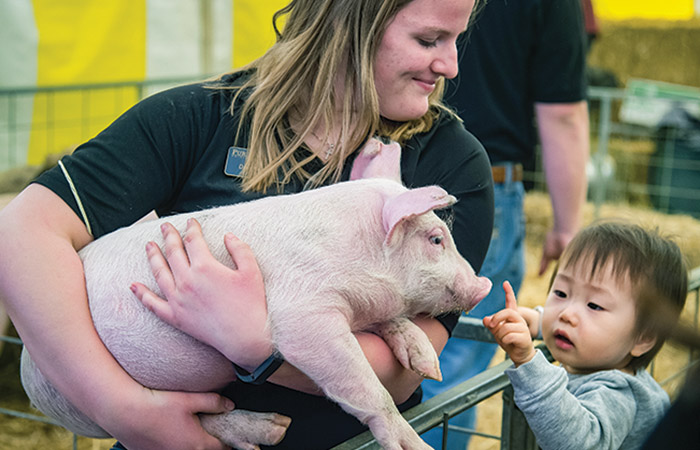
554 245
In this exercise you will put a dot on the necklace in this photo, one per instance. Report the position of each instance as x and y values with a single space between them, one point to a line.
329 150
330 147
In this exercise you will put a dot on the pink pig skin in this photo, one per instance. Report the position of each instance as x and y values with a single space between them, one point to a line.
374 257
378 160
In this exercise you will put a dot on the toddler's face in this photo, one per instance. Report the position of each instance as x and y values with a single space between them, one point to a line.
588 324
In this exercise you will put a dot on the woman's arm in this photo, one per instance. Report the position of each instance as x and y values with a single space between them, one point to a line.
42 286
399 381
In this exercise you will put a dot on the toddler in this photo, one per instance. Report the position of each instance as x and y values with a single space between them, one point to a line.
599 322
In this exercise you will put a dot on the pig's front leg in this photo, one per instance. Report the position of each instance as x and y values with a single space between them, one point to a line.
331 356
411 346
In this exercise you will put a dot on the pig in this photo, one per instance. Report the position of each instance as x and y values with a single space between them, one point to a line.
366 254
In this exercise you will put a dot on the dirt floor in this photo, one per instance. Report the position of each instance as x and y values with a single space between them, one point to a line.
22 434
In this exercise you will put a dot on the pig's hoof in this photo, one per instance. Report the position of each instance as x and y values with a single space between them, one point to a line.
427 368
245 430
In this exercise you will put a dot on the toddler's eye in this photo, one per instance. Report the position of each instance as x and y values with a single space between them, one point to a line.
559 293
595 307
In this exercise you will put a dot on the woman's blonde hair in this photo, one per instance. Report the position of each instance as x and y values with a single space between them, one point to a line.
295 80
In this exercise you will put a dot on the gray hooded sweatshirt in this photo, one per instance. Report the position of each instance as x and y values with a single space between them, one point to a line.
608 409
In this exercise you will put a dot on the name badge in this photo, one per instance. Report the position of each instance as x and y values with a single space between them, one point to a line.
235 161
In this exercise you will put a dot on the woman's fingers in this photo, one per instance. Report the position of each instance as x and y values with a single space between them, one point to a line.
195 246
153 302
241 254
160 268
210 403
174 249
181 253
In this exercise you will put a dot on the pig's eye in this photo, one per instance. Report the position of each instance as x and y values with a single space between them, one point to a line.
436 239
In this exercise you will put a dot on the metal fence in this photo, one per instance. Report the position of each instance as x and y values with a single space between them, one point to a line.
640 158
53 119
657 166
636 156
644 158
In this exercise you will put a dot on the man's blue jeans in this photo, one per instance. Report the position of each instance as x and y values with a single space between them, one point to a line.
505 260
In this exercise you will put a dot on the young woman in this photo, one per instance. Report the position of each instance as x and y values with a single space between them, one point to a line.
339 73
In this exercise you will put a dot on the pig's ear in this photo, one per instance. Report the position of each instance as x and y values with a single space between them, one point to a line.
378 160
412 203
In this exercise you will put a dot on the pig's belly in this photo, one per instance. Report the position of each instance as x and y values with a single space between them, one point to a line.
154 353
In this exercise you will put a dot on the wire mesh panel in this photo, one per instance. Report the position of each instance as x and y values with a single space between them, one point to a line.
39 121
651 163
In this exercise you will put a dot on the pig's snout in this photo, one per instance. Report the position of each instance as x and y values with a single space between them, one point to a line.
471 289
481 289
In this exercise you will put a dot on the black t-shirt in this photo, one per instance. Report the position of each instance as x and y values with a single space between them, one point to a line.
516 53
168 153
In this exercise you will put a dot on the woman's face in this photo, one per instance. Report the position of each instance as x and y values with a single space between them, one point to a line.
418 47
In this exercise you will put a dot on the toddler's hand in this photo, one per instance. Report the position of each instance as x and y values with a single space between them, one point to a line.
511 330
532 318
220 306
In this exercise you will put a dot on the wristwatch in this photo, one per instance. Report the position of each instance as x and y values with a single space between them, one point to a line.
262 372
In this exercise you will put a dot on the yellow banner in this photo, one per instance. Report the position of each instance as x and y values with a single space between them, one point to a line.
84 41
112 41
253 33
645 9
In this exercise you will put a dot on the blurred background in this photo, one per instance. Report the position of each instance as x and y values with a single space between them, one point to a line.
69 68
53 53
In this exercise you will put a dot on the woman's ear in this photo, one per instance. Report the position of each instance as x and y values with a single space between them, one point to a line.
644 343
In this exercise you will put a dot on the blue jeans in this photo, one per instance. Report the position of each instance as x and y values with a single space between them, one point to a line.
461 359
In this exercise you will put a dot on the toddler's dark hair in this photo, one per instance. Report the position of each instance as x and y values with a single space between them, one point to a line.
653 264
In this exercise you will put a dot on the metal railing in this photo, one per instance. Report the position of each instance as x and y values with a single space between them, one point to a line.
55 118
656 166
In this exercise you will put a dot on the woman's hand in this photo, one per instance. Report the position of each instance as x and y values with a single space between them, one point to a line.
220 306
511 330
164 419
